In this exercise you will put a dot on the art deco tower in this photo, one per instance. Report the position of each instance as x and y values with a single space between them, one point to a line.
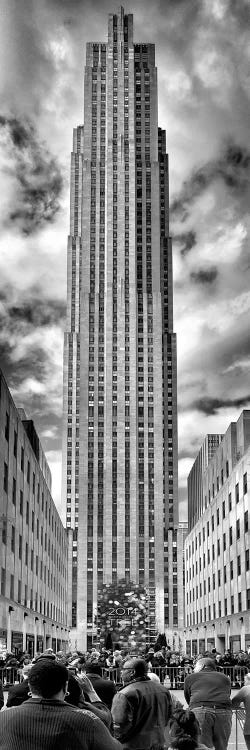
120 408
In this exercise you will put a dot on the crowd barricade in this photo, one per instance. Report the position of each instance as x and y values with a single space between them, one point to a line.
10 675
239 715
173 675
112 673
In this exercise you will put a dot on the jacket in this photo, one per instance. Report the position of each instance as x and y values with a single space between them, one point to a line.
208 688
53 725
105 688
140 712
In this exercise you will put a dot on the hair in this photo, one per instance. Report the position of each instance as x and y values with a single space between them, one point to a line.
205 663
184 730
81 661
92 667
139 666
47 677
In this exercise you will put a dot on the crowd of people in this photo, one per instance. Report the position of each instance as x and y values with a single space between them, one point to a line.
71 702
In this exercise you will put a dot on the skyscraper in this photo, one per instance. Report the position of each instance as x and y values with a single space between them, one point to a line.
120 403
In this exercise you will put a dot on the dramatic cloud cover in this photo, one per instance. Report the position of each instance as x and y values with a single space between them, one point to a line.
203 59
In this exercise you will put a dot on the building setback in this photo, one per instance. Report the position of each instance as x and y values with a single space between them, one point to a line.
217 548
120 402
34 546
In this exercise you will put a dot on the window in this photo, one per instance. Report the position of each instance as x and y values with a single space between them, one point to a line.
15 444
224 542
12 544
212 523
11 587
218 516
218 547
225 606
223 509
238 528
27 513
3 581
239 601
238 565
22 459
28 472
20 547
232 604
225 574
247 559
245 483
5 477
14 491
7 426
246 520
248 598
231 535
21 502
230 501
237 494
231 569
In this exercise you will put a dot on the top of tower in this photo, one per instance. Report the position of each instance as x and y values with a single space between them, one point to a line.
120 27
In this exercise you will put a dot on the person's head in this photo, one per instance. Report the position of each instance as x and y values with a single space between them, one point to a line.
92 667
205 664
26 670
134 668
48 679
184 730
81 663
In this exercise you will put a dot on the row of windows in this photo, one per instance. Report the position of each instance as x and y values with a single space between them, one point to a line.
216 609
206 530
205 587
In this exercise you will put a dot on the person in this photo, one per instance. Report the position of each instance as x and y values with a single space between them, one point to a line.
184 731
19 693
243 696
141 709
47 721
104 687
1 695
208 694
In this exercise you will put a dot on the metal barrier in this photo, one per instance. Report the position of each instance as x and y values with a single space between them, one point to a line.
240 715
173 676
10 675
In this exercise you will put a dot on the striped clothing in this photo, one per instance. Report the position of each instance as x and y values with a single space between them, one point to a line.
40 724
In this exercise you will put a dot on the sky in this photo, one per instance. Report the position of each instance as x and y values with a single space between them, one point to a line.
203 60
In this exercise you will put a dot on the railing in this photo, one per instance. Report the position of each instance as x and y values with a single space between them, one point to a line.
240 715
10 675
173 676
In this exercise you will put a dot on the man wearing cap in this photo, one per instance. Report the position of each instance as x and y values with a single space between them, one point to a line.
208 694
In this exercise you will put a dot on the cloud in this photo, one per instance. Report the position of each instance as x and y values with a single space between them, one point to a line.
204 276
186 241
202 55
211 406
36 178
232 167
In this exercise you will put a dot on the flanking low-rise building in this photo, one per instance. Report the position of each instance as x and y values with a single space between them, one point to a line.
217 548
34 546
